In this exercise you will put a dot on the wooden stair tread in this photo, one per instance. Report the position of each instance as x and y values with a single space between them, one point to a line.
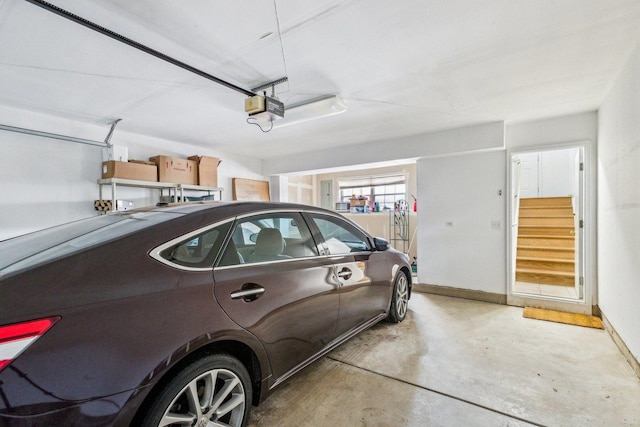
546 248
558 260
547 198
542 207
546 226
548 216
538 236
545 272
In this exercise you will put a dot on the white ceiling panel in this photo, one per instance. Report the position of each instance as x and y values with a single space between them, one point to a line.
404 68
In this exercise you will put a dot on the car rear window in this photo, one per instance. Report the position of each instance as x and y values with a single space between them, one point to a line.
46 245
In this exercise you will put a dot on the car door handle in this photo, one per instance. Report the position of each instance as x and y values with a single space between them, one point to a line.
248 294
345 273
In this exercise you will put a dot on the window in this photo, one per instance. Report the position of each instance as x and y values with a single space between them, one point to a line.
53 243
269 237
340 236
384 190
198 251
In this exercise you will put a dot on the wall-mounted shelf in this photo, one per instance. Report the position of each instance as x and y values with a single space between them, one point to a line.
174 189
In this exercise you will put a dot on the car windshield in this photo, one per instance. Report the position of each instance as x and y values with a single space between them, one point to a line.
51 243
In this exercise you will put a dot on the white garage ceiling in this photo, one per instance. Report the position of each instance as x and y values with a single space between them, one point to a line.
404 67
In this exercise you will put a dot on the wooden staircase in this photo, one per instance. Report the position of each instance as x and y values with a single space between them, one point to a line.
546 241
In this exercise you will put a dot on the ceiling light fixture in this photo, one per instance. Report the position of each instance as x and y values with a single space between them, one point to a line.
312 110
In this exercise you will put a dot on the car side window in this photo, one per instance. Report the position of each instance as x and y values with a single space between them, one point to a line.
268 237
340 236
198 251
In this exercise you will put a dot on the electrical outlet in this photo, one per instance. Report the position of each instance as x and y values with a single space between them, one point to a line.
496 225
449 223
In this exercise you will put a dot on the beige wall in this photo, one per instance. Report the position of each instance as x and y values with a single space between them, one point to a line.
301 189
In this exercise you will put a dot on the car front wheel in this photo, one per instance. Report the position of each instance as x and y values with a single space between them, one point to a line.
212 391
400 298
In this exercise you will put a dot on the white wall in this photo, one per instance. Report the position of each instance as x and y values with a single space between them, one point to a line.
46 182
463 190
548 173
557 173
619 205
461 140
461 221
558 130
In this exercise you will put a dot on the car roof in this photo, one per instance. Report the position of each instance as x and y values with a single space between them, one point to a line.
235 206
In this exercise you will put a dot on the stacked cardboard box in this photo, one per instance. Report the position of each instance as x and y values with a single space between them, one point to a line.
196 170
132 169
207 170
176 170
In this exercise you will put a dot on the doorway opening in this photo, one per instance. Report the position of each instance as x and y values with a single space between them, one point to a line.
547 239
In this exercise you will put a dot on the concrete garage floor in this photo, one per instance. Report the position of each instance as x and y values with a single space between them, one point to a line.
456 362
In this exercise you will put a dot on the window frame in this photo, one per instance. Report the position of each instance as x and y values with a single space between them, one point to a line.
157 251
316 237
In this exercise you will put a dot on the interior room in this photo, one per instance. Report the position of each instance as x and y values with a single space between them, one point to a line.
496 144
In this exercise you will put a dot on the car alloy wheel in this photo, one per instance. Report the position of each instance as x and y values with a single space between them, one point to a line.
213 391
400 299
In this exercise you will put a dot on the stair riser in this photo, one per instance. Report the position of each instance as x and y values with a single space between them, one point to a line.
546 253
534 212
547 279
543 222
550 266
546 231
569 242
546 201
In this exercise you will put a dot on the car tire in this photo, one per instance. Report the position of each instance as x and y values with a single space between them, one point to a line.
213 388
399 299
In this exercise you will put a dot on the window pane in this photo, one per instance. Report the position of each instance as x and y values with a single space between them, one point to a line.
271 237
339 236
385 190
199 251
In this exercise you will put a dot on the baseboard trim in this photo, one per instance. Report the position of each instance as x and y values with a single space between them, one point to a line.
633 362
461 293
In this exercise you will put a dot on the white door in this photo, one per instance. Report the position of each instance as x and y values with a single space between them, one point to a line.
326 194
529 177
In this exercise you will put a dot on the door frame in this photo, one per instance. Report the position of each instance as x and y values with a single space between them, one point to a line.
588 234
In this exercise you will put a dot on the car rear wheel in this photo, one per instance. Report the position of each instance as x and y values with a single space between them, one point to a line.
212 391
400 298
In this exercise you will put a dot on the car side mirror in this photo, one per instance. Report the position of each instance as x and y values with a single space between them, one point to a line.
380 244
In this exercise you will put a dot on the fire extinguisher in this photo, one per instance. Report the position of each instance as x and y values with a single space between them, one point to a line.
415 203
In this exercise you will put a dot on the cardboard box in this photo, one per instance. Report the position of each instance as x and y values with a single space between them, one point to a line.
129 170
250 190
207 170
358 202
176 170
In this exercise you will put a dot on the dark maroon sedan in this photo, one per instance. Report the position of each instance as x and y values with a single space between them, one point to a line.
182 315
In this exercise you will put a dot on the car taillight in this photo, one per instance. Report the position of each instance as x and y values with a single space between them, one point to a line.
14 339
